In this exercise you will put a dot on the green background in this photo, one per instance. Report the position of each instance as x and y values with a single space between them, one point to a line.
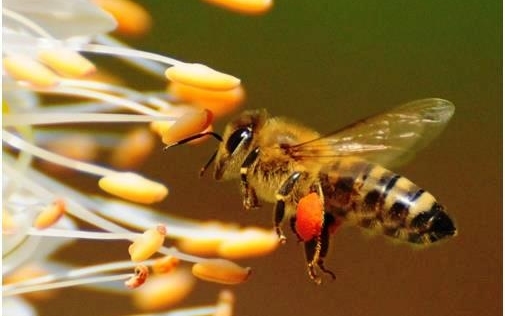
327 63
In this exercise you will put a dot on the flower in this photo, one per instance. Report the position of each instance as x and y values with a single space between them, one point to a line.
50 81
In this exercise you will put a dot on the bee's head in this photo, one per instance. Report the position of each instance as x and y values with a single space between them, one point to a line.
235 144
239 139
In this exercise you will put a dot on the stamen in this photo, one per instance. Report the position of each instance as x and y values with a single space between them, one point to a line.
147 244
147 65
56 285
163 290
140 275
8 223
124 52
69 89
63 233
50 214
224 305
190 123
133 187
201 76
127 185
133 149
66 62
221 271
244 6
251 242
20 119
21 144
132 19
26 69
165 264
219 102
26 22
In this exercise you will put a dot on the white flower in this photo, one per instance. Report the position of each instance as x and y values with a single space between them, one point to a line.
42 46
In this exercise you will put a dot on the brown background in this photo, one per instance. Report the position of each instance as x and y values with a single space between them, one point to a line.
327 63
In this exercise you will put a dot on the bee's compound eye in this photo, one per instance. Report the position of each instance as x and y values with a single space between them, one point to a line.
237 137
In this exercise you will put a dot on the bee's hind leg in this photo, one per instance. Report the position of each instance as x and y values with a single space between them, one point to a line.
316 250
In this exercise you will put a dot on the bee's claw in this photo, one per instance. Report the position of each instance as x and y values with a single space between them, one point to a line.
312 274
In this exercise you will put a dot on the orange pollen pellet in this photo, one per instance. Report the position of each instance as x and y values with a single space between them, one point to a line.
50 214
139 277
309 217
165 264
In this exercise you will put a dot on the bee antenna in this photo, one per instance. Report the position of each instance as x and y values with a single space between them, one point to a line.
211 159
193 137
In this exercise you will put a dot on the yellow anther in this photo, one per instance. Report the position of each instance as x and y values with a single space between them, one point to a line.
244 6
201 76
225 303
219 102
50 214
132 151
221 271
26 273
163 290
200 246
26 69
189 124
8 223
132 18
250 242
165 264
147 244
67 62
76 146
138 278
133 187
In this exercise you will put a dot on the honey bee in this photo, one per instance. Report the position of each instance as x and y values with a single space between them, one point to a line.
281 162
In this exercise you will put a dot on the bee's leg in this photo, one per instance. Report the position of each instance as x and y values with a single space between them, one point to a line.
250 200
329 221
284 192
312 251
292 225
316 250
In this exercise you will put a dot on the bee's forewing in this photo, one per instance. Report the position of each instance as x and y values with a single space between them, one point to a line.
389 139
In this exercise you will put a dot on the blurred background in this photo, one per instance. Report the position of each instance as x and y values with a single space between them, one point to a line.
328 63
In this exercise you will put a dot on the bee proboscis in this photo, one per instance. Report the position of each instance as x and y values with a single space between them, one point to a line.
282 162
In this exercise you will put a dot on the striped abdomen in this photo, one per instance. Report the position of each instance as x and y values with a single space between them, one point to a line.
377 198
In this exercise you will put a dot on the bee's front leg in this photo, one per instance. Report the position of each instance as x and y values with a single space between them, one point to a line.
282 194
250 200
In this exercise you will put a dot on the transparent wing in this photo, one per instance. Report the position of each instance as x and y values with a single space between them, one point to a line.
389 139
